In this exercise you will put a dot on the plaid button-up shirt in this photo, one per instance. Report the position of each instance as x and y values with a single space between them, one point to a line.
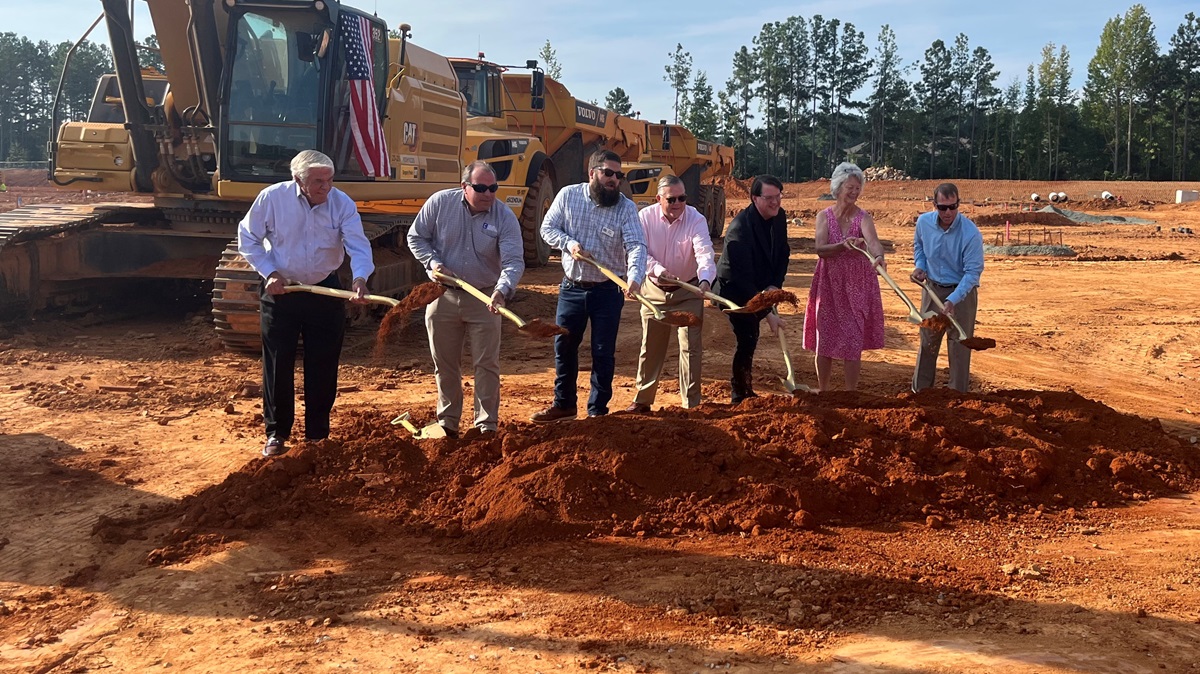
613 235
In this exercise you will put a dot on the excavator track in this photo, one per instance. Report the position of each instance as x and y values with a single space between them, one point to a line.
235 298
32 222
21 287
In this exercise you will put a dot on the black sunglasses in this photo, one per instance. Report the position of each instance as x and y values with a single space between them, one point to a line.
947 207
484 188
682 198
608 173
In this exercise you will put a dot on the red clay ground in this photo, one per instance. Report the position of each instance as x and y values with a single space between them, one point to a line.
1043 523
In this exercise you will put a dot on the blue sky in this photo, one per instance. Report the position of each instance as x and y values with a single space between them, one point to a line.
602 45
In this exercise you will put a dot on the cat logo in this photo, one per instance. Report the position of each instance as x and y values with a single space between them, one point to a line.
410 134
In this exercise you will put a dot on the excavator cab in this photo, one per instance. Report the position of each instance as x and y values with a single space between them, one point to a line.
287 91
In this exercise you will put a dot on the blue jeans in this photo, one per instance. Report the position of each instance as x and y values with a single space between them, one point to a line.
601 304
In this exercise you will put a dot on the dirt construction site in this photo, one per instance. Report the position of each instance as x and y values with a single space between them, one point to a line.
1047 521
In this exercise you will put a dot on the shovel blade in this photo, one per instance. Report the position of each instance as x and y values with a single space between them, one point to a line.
794 388
431 432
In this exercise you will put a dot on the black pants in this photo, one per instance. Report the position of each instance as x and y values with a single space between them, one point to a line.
746 331
322 322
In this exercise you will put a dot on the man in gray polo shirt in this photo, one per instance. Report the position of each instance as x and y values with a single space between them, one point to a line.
466 232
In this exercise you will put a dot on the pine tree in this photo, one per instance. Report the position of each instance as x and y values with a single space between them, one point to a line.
618 101
549 57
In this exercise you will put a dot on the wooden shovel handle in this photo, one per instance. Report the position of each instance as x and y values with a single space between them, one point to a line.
341 294
708 295
883 272
658 314
457 282
928 286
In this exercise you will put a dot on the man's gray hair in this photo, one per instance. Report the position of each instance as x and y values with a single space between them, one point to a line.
668 181
477 164
842 173
307 159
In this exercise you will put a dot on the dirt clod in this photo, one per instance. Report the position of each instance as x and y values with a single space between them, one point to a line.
770 298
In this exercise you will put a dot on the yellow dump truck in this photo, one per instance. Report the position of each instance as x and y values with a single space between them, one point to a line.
696 162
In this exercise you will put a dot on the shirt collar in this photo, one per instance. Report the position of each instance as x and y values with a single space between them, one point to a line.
937 222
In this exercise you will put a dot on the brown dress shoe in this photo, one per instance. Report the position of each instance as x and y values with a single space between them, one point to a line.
638 408
552 414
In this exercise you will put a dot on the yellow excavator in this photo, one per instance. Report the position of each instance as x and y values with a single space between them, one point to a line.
249 83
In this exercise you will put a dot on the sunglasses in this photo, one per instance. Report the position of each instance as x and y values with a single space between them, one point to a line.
484 188
947 207
682 198
608 173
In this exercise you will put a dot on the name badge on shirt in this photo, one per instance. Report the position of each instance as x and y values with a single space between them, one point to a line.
486 226
608 231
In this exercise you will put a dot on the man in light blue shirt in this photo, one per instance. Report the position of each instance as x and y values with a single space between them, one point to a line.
948 251
300 231
468 233
595 219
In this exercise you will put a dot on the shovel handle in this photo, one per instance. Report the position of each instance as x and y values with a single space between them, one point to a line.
479 295
341 294
658 314
928 286
915 312
787 357
707 295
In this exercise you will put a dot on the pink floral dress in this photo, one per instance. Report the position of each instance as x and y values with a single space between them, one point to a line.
844 316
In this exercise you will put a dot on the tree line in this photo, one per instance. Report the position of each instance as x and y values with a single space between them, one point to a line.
807 94
30 74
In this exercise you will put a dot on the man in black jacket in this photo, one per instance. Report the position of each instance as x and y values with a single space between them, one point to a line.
755 259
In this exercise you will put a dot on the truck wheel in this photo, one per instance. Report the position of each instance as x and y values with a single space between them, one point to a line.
537 202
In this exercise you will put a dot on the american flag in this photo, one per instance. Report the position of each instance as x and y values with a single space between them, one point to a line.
370 148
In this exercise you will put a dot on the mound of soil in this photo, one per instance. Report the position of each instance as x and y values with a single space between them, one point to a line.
772 462
735 190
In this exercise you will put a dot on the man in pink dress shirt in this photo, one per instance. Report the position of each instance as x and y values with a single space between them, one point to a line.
679 250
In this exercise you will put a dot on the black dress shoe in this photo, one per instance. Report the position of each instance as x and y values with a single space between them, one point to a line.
274 447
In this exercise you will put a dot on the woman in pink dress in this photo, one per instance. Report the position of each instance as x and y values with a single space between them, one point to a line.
844 316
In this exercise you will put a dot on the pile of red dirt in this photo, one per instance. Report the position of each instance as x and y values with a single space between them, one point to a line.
735 190
772 462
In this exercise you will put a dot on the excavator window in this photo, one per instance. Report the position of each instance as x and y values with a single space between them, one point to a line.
274 94
106 104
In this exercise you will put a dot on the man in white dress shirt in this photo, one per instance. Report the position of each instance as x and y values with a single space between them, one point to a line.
299 231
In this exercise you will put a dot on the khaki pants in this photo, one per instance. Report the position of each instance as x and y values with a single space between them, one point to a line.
958 355
656 337
450 320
